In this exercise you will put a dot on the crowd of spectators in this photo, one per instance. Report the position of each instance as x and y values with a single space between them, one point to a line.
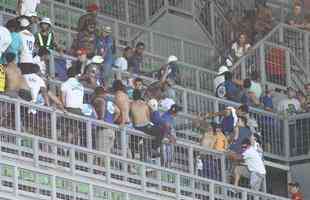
152 108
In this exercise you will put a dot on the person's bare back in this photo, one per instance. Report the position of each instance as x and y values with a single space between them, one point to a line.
140 113
122 102
14 78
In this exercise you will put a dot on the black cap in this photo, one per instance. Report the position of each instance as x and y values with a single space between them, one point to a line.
175 108
294 184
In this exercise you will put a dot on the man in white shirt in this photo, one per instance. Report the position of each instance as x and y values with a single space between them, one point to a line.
41 59
219 81
289 105
72 93
5 39
26 54
38 88
27 7
254 163
121 63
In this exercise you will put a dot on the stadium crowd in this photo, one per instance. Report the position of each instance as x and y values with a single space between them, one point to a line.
25 71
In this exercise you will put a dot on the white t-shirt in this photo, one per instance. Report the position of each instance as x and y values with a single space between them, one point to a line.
256 88
35 83
26 55
240 51
5 39
254 161
288 105
37 60
73 91
121 63
218 81
28 7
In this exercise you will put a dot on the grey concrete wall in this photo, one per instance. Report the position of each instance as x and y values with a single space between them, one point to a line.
182 27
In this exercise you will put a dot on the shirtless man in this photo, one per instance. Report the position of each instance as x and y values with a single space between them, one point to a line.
122 102
16 84
140 113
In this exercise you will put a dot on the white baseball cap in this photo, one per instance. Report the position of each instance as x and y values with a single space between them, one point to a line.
222 70
172 58
24 22
153 103
46 20
95 60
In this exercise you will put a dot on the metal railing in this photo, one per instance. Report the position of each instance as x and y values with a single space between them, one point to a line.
49 170
295 39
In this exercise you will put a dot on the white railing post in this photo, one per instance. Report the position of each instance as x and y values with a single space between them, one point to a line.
15 182
124 142
185 109
91 192
212 13
288 68
262 64
108 169
191 160
116 37
286 139
54 126
243 70
147 13
36 151
178 186
307 52
143 171
281 34
127 11
89 135
72 161
244 195
197 75
182 51
52 71
17 116
211 192
223 168
54 195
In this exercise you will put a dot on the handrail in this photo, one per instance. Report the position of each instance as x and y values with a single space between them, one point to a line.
145 165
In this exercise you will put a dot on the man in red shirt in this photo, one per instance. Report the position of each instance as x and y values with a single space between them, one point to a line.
294 190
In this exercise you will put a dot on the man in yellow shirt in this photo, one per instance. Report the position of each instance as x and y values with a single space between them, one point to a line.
221 142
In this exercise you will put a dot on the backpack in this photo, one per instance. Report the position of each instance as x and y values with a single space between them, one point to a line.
2 78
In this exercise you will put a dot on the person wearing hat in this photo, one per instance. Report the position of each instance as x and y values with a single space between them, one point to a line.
28 41
89 17
219 80
104 48
45 37
170 70
294 190
91 77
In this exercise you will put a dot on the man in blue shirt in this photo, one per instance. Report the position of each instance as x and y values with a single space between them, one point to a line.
105 49
135 62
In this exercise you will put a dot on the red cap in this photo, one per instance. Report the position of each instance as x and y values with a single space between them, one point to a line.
81 51
92 7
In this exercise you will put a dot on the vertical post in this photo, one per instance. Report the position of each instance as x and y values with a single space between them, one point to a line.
72 161
178 186
124 142
243 70
54 196
307 52
211 192
116 36
52 65
197 78
147 12
281 35
223 168
288 68
17 116
191 160
185 110
143 171
54 126
244 195
127 11
262 65
15 182
36 152
91 192
152 49
108 168
212 13
182 51
286 138
89 134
